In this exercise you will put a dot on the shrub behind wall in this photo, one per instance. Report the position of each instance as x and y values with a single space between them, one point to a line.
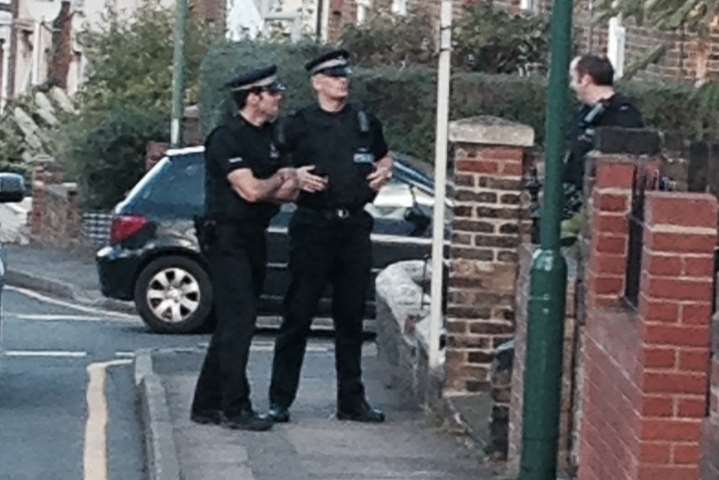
404 98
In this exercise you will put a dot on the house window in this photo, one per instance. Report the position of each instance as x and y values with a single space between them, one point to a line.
363 7
530 6
399 7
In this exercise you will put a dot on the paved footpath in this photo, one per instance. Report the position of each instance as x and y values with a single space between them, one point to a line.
314 445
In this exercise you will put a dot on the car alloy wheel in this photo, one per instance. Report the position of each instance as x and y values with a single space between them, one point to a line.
173 294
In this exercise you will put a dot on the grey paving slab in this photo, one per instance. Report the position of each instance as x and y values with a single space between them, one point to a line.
315 446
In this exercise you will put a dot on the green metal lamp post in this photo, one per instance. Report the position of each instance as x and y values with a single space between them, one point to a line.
545 329
178 74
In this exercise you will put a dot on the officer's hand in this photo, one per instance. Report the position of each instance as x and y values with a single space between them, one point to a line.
309 182
287 173
379 177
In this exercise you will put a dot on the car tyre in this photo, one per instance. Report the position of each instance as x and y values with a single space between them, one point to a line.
173 294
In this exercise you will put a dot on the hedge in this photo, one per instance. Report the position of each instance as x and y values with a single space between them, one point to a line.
404 99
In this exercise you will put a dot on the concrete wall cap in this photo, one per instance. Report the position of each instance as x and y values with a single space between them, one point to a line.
488 130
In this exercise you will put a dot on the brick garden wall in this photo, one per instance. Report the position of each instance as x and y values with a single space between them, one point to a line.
489 223
646 369
55 218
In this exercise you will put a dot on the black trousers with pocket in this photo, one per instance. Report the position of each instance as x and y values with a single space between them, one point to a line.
324 250
237 262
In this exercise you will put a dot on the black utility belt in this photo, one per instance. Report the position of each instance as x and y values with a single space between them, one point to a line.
250 225
337 213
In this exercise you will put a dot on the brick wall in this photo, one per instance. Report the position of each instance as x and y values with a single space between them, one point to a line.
61 53
710 427
646 370
213 12
55 218
490 221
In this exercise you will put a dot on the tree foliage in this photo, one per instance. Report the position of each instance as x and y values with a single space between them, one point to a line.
387 39
125 101
485 39
492 40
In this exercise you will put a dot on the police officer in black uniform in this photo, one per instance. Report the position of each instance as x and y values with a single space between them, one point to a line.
245 180
342 161
592 80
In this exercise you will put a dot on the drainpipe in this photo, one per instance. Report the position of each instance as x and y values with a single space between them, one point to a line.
36 54
440 181
548 283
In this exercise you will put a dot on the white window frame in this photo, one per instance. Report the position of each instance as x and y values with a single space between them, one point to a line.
616 44
399 7
363 7
531 6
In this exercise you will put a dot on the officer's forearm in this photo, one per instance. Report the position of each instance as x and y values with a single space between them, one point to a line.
257 190
385 162
288 192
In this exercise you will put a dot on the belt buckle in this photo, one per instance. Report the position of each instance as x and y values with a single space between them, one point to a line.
342 213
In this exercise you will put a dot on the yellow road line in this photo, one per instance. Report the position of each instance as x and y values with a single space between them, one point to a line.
95 452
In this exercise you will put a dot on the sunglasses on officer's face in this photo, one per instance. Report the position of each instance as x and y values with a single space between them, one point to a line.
338 72
275 88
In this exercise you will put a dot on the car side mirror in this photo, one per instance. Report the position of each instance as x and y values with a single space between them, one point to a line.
12 187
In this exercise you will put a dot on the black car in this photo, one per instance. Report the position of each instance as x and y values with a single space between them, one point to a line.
12 189
154 259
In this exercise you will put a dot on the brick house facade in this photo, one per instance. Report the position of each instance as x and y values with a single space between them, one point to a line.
677 63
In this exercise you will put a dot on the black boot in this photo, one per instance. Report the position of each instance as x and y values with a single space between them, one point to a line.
359 411
247 420
279 414
206 417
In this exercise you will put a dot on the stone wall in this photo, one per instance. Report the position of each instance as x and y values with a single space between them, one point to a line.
402 320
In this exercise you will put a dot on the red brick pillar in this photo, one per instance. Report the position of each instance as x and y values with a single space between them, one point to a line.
489 222
675 310
646 370
710 439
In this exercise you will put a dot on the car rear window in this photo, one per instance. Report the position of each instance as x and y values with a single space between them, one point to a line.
175 187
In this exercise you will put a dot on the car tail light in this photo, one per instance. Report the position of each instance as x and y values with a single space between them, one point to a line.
125 226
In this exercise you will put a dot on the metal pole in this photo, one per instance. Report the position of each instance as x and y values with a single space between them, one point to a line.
440 180
178 73
545 329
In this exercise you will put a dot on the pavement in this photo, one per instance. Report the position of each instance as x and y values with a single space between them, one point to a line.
410 445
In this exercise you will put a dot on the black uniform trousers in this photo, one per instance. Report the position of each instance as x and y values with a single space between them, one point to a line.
324 250
237 262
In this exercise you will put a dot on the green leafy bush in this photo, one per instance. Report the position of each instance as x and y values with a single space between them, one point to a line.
391 40
126 99
492 40
105 152
405 98
225 61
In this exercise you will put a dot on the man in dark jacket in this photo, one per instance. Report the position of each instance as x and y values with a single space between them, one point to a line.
592 80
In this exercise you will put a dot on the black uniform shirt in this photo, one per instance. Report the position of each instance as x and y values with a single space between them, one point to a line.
235 145
616 111
339 148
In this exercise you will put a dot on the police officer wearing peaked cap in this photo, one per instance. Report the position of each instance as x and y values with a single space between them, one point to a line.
245 180
342 161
